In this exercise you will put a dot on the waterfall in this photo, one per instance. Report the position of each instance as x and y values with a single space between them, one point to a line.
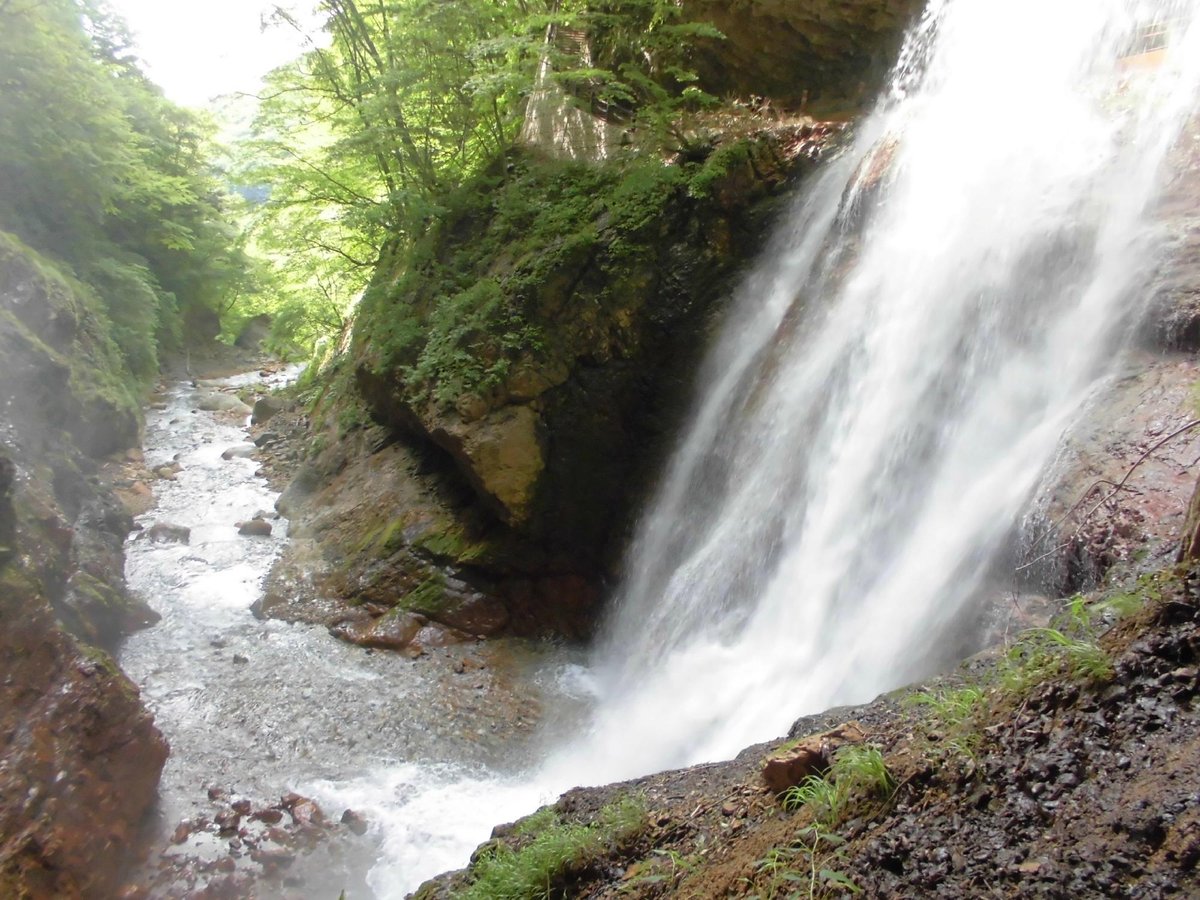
892 383
895 377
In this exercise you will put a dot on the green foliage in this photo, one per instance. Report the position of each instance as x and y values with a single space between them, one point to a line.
552 852
857 772
804 868
1045 653
100 172
953 719
363 144
506 250
82 340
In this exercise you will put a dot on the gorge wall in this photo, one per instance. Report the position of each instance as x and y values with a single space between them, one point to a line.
484 441
79 755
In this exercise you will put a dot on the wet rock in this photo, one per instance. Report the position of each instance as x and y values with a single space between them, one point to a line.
239 451
166 533
265 409
227 822
305 811
272 857
79 759
436 635
216 401
182 832
269 816
240 660
254 528
355 821
393 631
267 437
137 497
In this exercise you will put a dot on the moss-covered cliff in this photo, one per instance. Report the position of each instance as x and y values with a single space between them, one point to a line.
79 755
527 360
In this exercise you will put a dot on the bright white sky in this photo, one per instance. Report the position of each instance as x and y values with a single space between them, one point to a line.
198 49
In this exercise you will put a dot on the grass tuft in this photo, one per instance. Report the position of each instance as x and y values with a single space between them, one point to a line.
857 772
555 850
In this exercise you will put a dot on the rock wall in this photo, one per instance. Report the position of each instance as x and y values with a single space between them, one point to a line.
832 54
79 755
519 376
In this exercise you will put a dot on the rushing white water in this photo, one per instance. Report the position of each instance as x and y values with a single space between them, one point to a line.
259 708
893 383
872 434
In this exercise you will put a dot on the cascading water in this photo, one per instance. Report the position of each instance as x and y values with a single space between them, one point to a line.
893 383
873 432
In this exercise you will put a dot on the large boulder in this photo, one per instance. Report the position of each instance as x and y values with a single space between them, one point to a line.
79 758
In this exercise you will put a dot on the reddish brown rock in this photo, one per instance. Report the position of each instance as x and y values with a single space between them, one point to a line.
435 635
79 761
268 816
306 812
810 756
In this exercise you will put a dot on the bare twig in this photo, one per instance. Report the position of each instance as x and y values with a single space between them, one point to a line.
1117 487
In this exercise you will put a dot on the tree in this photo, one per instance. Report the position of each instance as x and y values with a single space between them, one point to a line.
99 170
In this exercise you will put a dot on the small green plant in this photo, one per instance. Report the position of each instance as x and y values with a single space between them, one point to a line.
554 850
805 868
536 823
857 771
820 795
1045 653
862 770
668 868
953 718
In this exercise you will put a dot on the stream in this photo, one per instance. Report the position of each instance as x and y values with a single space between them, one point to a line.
258 708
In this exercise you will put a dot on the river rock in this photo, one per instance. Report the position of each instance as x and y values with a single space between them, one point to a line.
269 816
137 498
254 528
166 533
393 631
216 401
239 451
265 408
435 635
457 605
355 821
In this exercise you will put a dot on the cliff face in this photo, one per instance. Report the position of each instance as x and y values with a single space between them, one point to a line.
522 370
79 755
833 55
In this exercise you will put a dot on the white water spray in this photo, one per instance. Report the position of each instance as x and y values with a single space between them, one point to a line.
893 382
